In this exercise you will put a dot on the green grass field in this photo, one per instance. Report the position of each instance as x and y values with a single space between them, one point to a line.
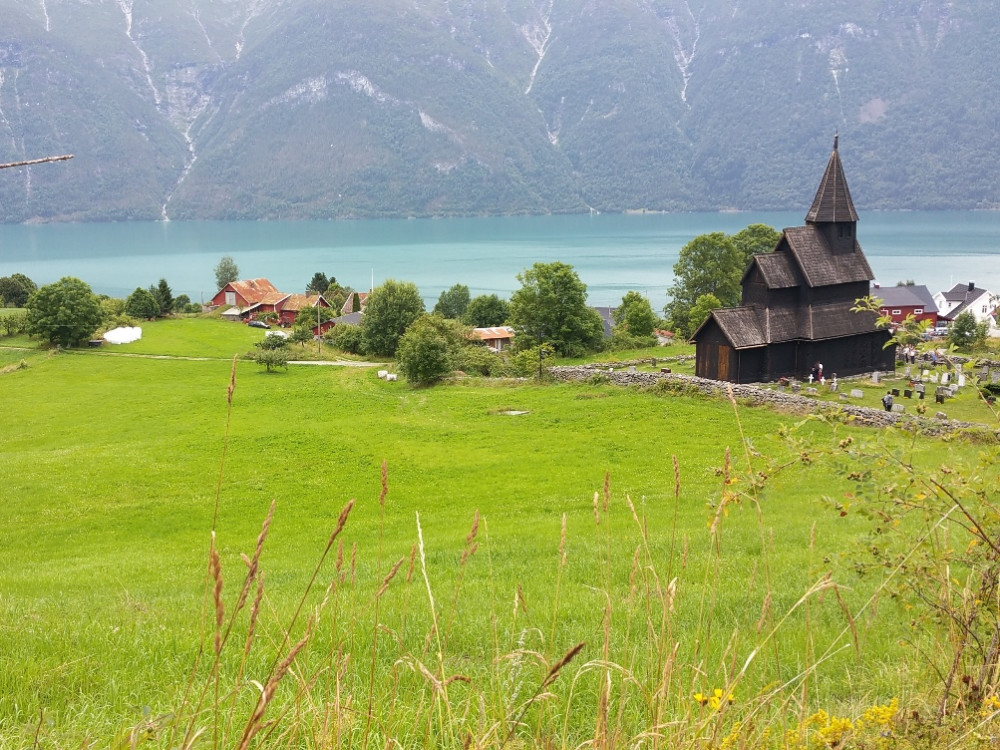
110 467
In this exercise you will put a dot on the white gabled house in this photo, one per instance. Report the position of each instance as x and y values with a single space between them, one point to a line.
967 297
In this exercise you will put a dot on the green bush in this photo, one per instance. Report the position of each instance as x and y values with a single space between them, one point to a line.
422 355
479 360
347 338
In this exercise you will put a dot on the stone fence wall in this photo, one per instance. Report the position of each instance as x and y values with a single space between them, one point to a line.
758 395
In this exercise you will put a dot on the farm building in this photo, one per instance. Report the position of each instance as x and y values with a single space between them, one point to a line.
796 304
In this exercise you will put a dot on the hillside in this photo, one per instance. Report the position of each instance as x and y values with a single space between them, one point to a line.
287 109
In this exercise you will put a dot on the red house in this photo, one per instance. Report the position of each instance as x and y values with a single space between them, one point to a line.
244 293
897 302
251 297
294 305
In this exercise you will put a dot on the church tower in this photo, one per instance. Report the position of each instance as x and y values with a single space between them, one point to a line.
832 211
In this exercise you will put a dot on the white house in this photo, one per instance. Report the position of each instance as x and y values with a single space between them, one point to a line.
967 297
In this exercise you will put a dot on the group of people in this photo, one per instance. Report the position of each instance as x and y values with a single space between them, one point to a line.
909 354
816 374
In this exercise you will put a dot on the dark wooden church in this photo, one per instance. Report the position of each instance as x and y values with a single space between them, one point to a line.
797 300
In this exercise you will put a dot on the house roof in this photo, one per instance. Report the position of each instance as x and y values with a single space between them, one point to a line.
362 301
905 296
298 302
351 319
496 332
833 198
273 298
253 290
961 297
607 319
818 264
964 293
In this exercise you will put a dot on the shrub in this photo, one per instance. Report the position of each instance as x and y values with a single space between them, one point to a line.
422 356
347 338
480 361
15 323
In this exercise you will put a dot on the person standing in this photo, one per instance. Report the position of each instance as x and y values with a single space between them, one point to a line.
887 401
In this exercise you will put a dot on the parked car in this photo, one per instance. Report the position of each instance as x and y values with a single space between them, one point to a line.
940 330
258 324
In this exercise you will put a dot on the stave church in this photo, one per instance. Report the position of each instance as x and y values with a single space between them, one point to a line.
795 310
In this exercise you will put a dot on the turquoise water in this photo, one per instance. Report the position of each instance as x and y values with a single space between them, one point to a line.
611 253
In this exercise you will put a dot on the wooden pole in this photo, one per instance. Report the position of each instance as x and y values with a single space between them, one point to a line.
43 160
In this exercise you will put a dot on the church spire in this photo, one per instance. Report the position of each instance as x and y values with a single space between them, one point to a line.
832 203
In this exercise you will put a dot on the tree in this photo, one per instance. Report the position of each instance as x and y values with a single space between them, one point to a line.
272 358
486 311
966 333
14 323
272 342
15 289
319 283
226 272
756 238
142 304
708 264
300 336
635 315
164 296
702 308
390 309
453 302
551 306
424 355
66 312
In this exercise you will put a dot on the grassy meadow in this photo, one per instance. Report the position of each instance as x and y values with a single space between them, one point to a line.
524 518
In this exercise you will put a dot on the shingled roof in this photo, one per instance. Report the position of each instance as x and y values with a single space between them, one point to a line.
821 267
777 270
833 198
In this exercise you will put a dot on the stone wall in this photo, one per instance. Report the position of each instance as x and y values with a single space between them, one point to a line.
758 396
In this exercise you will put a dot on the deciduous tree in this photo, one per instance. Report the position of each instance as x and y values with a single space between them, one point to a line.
226 272
635 315
756 238
551 306
66 312
15 289
391 309
708 264
966 333
486 311
702 308
272 358
453 302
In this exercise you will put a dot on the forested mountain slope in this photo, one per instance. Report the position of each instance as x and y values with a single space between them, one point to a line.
228 109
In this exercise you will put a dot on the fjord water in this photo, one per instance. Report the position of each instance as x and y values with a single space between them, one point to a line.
612 253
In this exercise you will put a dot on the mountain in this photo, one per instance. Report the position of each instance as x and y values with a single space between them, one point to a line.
286 109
